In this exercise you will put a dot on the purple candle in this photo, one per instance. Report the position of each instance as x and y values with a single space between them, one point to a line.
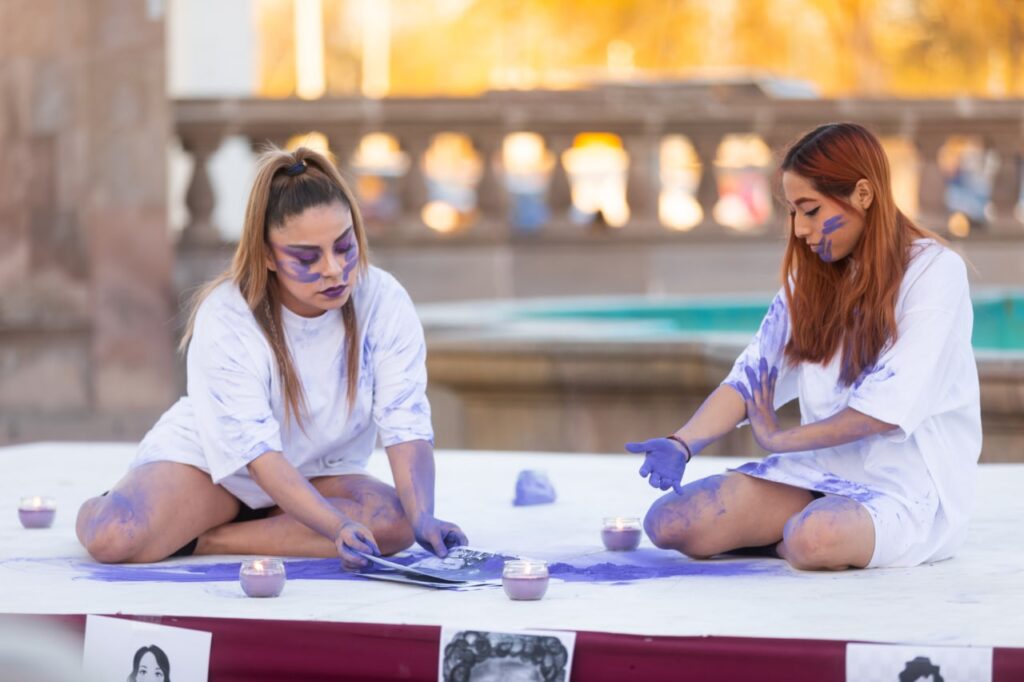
621 534
262 577
37 512
525 580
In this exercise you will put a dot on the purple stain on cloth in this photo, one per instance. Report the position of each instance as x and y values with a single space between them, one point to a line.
627 573
533 487
644 565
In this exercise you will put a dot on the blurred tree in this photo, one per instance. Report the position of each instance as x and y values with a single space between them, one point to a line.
845 47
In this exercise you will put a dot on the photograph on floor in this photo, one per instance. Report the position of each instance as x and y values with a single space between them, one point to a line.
484 656
124 649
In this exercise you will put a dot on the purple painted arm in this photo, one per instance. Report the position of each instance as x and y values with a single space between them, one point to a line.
664 461
297 497
412 466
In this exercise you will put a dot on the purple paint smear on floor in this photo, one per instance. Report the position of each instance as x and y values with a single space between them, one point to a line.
645 565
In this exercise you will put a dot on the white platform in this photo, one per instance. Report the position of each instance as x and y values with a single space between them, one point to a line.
975 599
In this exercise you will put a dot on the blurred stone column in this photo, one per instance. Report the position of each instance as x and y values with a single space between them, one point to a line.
414 184
199 198
124 206
343 144
932 184
705 145
491 196
1006 184
560 189
643 186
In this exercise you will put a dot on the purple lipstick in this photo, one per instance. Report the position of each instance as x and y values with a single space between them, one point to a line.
334 292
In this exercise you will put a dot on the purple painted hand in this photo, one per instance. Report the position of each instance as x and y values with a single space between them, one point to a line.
438 536
353 538
760 403
664 462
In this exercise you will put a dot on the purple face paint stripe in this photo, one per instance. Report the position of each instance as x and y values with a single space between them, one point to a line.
351 262
299 267
832 224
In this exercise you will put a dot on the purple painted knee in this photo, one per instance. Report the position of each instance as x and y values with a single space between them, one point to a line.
812 540
669 525
109 529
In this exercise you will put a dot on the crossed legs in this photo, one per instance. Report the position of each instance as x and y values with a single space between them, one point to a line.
726 512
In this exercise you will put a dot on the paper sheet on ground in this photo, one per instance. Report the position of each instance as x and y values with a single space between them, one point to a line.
463 567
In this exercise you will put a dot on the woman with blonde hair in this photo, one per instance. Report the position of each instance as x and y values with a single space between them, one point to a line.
871 332
298 357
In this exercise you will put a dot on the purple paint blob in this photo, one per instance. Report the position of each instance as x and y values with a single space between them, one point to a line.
533 487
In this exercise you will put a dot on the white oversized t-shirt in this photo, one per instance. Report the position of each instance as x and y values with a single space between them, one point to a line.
234 409
916 481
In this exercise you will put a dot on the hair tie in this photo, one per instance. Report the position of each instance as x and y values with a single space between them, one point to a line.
297 168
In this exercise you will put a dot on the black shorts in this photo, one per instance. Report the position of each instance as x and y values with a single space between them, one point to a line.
768 550
245 513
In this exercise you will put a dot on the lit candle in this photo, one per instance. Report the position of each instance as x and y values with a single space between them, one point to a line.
262 577
525 580
621 534
37 512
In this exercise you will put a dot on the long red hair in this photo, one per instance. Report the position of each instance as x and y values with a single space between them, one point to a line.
849 304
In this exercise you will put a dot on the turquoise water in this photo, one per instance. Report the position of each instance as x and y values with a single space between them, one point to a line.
998 320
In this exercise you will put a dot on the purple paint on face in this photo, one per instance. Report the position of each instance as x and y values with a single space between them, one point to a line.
351 263
299 268
302 260
824 249
832 224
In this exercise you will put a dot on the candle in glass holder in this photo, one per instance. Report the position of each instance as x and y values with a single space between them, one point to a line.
37 512
525 580
621 534
262 577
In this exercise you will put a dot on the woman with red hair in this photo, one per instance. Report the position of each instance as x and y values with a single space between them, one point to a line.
871 332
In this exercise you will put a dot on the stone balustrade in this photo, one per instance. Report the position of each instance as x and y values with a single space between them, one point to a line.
640 114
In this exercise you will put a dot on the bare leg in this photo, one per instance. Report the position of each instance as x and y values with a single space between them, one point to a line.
722 513
831 533
363 498
152 512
